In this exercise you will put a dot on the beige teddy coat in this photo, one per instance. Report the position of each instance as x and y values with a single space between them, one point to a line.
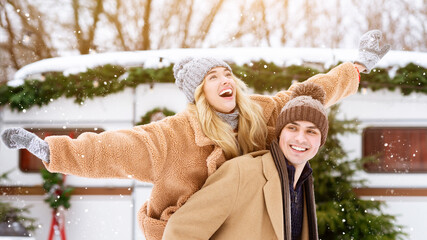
173 153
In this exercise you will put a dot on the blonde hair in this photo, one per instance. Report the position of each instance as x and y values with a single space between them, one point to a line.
252 129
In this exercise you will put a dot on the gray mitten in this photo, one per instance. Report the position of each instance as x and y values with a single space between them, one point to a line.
369 51
18 138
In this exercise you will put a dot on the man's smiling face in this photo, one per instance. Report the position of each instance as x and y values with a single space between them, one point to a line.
300 141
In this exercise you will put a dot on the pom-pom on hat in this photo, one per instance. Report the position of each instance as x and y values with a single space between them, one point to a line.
305 104
190 72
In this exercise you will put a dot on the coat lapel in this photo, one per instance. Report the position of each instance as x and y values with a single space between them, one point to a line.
200 138
273 195
216 158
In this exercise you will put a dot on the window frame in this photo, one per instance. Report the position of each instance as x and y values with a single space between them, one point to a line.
381 167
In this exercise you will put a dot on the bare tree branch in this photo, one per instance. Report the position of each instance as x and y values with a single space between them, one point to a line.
187 25
85 43
239 33
284 22
146 28
170 11
207 23
34 33
42 48
10 48
114 19
264 22
98 10
77 29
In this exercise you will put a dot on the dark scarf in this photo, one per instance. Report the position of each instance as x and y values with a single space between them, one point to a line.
280 162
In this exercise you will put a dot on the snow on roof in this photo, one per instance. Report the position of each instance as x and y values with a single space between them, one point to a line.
159 58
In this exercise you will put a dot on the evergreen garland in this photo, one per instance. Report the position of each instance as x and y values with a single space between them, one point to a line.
414 77
147 117
57 194
261 76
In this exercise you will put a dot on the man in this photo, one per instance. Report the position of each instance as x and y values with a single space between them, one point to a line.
265 194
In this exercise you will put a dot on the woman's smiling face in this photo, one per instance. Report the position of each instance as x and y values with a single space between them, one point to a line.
220 89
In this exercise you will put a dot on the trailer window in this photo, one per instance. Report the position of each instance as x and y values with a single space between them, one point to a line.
395 149
30 163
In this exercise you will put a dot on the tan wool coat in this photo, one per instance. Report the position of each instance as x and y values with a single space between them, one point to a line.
173 153
242 200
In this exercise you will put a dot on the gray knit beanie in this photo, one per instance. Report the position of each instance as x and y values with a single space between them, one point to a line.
306 104
190 72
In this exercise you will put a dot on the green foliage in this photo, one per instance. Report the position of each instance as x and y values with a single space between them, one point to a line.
263 76
340 213
378 79
9 213
147 117
5 175
57 194
412 76
260 75
99 81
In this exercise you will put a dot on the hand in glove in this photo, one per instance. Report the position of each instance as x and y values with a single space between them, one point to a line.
369 51
18 138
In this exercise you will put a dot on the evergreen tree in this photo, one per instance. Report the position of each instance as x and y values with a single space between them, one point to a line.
14 216
340 213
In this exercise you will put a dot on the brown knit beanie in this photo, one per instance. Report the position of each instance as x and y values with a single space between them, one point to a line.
305 104
190 72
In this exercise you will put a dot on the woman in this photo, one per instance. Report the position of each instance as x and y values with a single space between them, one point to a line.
178 153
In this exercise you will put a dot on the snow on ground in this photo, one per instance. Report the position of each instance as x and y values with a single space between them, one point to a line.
151 59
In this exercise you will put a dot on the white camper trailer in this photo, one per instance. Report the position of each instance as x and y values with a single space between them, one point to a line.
107 209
